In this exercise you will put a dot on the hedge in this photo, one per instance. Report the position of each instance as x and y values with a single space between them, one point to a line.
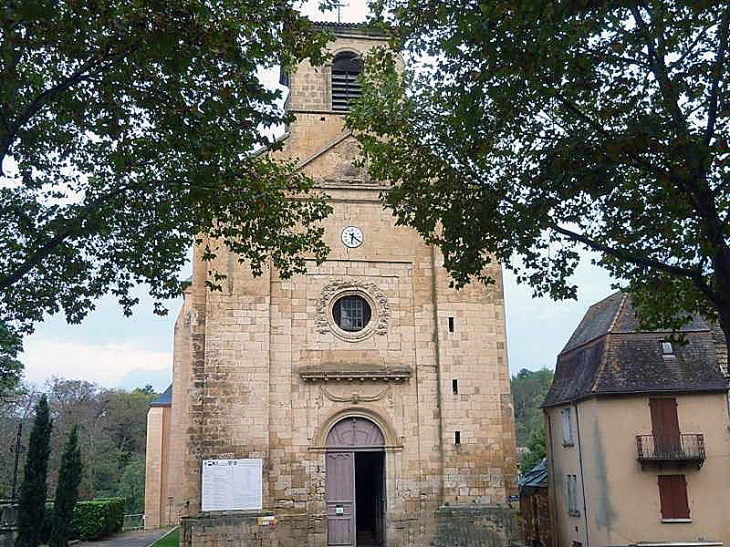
95 519
98 518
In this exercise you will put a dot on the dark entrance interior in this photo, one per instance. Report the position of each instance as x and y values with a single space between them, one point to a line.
369 502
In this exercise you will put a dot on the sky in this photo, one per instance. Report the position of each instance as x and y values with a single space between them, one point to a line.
115 351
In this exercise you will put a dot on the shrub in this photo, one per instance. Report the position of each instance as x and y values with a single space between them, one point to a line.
67 491
98 518
32 503
47 524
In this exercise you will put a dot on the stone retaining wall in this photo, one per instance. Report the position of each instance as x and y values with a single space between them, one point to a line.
477 526
457 526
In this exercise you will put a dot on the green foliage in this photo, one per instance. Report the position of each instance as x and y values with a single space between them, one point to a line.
10 368
535 450
32 503
67 492
112 431
127 129
97 519
47 525
529 129
131 485
529 389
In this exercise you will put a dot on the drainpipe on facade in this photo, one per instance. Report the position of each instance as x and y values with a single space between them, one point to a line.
554 505
582 478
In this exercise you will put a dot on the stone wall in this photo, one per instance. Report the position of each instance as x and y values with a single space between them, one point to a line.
535 513
457 526
477 526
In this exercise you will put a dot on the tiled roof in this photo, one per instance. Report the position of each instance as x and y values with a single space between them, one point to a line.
165 399
608 354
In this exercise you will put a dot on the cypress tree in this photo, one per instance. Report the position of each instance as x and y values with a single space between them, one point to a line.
67 491
32 503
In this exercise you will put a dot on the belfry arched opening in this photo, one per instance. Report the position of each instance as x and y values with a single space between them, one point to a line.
355 483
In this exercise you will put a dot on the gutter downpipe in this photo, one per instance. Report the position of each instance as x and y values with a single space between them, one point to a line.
582 478
554 504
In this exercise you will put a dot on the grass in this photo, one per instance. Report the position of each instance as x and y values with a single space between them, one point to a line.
171 539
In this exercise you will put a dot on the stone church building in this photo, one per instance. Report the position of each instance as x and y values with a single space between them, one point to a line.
374 398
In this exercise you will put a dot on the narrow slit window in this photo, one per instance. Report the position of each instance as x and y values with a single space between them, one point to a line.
455 386
451 324
457 437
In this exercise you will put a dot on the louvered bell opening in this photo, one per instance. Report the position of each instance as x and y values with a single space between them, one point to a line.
345 86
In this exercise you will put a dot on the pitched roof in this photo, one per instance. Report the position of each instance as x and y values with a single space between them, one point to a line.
608 354
165 399
535 478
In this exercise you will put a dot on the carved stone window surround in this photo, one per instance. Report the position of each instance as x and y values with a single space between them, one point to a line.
336 289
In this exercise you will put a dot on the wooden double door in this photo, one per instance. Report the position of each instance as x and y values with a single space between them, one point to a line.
355 484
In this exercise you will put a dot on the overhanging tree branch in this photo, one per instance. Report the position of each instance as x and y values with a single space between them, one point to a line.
92 66
717 76
626 256
659 69
73 228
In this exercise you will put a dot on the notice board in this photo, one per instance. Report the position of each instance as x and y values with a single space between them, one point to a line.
232 485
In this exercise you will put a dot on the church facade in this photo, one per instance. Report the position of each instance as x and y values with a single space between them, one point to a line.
375 397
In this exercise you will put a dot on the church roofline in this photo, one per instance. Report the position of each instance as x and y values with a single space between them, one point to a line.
348 29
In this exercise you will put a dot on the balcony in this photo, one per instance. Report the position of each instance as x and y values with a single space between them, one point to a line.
684 450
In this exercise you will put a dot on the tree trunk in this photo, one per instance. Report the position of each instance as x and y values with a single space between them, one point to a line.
721 265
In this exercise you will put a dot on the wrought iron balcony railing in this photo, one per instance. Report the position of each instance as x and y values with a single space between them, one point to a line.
680 450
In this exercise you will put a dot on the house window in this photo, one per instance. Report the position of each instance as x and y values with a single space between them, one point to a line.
567 427
572 485
673 497
667 348
346 69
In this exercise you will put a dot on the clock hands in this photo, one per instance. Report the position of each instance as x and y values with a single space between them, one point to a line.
352 236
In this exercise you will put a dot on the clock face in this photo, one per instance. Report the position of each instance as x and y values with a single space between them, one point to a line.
352 237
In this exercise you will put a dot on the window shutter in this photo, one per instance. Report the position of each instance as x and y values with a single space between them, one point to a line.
673 497
567 430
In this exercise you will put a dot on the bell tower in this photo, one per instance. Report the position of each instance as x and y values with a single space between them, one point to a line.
369 400
319 96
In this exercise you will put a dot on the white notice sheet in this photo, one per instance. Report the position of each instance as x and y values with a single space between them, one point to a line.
232 485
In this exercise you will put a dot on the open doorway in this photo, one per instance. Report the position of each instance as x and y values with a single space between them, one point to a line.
369 498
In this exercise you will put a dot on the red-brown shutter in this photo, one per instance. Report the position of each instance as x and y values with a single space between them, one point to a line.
665 424
673 497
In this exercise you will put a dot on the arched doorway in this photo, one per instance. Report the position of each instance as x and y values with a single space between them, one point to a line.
355 483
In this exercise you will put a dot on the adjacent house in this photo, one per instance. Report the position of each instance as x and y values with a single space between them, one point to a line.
637 434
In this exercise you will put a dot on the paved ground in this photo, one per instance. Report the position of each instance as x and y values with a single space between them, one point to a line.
138 538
